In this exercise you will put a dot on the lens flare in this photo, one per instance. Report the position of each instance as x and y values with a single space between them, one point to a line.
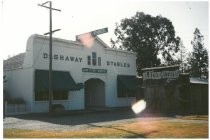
138 106
86 39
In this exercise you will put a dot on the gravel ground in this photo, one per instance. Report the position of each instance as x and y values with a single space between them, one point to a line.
76 121
79 121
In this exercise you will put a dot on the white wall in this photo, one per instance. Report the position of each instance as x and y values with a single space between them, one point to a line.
38 45
111 95
76 100
20 84
111 89
68 48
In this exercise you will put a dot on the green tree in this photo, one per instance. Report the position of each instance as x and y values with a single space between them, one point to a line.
182 57
199 56
152 38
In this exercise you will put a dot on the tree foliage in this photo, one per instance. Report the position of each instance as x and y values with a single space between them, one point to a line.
152 38
199 56
182 57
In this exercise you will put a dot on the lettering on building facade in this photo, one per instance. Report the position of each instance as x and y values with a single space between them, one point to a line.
161 75
63 57
117 64
91 60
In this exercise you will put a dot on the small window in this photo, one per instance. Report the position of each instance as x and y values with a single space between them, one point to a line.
57 95
123 92
94 58
60 95
108 63
89 60
99 61
41 96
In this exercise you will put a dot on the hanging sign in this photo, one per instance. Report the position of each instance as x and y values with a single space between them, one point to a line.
94 70
161 75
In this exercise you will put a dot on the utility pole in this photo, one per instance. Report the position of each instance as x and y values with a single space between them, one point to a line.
181 60
50 51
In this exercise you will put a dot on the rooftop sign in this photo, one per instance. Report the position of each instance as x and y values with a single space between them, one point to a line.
92 33
99 31
161 75
156 74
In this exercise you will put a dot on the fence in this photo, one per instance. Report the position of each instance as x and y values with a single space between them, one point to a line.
14 109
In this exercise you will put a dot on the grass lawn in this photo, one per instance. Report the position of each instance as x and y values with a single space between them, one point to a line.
139 129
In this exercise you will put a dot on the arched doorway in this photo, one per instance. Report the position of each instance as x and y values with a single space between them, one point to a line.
94 93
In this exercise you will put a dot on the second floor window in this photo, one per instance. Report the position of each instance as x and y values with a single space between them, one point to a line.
94 58
99 61
89 60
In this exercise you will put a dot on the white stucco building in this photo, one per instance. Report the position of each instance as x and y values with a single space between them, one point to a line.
82 76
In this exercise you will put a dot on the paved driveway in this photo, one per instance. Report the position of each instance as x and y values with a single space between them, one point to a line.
77 121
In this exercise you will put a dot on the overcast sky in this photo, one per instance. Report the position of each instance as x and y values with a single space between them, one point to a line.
22 18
